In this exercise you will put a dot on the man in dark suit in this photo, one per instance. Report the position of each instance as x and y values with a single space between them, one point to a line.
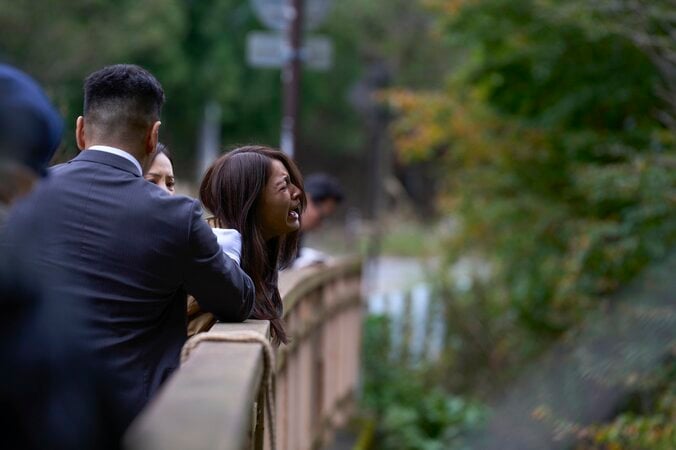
125 245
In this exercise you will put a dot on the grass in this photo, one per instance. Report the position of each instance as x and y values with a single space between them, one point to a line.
396 236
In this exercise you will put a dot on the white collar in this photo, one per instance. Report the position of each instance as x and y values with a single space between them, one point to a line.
118 152
230 242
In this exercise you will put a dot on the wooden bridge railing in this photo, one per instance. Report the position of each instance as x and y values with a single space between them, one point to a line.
215 400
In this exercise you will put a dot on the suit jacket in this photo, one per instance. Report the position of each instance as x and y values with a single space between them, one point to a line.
127 250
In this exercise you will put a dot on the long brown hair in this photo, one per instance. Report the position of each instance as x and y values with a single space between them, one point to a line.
231 190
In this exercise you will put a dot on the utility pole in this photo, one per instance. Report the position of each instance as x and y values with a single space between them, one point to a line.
285 47
291 77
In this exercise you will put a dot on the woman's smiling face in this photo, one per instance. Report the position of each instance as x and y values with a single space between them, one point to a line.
279 208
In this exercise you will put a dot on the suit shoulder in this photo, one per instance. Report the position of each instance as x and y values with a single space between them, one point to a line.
184 210
180 204
56 168
186 202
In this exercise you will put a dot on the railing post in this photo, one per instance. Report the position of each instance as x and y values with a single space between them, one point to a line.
259 421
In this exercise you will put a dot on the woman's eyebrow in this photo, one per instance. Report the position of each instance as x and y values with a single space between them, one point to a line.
283 179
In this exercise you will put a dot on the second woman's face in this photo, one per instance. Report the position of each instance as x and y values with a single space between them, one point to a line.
280 203
161 173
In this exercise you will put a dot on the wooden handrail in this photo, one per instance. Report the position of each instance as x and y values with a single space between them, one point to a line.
215 400
296 284
208 404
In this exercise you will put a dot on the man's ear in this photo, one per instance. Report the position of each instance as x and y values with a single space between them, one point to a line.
80 133
153 137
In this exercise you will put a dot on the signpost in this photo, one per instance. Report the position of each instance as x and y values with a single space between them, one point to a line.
284 49
268 49
273 13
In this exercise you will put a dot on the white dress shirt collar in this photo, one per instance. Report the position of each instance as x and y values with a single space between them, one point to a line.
118 152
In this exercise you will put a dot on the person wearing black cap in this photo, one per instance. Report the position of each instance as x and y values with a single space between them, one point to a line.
53 394
324 194
30 133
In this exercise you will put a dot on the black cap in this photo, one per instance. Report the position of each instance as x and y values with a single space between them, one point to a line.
30 126
321 186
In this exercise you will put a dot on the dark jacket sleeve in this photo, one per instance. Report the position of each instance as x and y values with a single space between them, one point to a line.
217 282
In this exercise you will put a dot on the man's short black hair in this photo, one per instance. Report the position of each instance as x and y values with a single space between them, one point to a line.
321 186
122 96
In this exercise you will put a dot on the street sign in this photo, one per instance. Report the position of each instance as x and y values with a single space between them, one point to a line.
269 49
275 13
287 48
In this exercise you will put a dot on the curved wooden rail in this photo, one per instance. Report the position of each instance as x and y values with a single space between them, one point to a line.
215 400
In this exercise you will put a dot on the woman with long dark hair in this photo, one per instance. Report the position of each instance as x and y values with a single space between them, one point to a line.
258 192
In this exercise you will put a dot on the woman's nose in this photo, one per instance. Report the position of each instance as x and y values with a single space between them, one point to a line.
295 191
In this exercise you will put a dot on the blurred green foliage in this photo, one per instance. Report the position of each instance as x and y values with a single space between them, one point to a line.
409 412
196 48
554 140
555 163
647 427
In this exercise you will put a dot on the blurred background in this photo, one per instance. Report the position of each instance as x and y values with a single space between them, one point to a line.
509 168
